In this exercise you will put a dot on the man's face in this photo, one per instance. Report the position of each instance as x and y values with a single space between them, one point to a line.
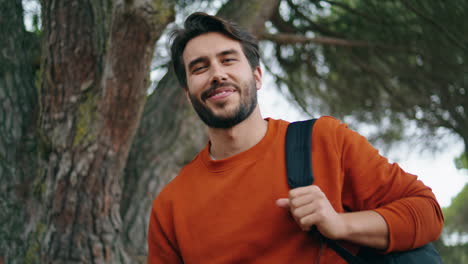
220 82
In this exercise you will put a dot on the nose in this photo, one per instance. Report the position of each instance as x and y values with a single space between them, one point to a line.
218 74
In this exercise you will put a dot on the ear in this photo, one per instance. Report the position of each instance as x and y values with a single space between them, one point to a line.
257 73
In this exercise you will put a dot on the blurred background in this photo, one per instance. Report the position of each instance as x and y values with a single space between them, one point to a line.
93 122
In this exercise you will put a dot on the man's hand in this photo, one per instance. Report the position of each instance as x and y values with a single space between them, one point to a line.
309 206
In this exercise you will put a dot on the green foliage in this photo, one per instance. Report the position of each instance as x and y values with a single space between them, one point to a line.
396 61
461 162
456 222
455 254
36 24
456 215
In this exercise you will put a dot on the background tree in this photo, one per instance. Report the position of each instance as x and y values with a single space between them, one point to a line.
456 230
377 62
92 83
18 108
86 143
456 224
67 139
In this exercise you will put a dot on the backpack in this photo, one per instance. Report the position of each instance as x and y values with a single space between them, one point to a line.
299 171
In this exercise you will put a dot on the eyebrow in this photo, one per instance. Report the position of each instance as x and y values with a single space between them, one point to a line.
227 52
204 58
195 61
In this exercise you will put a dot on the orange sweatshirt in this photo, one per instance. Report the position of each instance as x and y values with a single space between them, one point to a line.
224 211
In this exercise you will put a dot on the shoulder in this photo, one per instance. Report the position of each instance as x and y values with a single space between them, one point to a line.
328 130
329 123
331 134
277 124
170 192
332 128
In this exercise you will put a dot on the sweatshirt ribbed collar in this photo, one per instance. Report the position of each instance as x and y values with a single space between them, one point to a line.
251 155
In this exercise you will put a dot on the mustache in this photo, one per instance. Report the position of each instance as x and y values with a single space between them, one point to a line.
215 86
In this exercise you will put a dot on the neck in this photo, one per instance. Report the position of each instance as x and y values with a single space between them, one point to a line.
229 142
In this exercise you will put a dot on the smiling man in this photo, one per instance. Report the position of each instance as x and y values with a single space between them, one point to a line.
218 62
232 203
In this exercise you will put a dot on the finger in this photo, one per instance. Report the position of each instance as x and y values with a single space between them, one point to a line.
283 202
304 210
302 200
297 192
308 221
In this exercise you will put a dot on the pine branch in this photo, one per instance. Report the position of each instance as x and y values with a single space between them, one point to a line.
280 23
285 38
431 21
353 11
313 25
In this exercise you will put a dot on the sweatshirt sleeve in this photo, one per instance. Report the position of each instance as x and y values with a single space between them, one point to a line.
409 207
162 245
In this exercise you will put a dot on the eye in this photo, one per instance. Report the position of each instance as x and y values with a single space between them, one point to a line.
229 60
198 69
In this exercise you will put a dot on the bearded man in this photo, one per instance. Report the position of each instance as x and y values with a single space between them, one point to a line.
232 202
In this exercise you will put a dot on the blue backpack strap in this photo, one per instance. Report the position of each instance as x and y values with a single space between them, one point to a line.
298 153
300 173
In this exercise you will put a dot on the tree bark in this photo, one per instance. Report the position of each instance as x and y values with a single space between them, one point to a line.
94 80
170 135
18 108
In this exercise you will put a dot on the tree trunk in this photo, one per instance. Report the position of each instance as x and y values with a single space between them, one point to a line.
94 80
18 108
170 135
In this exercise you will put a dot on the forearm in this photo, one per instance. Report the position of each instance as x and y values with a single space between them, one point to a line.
367 228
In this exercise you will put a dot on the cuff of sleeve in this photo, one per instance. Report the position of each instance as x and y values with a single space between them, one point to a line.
399 235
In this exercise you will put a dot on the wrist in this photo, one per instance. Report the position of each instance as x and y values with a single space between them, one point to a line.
366 228
346 227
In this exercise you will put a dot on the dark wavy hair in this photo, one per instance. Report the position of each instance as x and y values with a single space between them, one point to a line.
200 23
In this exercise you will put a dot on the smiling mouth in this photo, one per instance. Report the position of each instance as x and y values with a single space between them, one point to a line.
217 91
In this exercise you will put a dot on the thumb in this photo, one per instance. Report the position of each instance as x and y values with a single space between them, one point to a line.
283 202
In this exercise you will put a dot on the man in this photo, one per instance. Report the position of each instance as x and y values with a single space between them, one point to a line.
232 203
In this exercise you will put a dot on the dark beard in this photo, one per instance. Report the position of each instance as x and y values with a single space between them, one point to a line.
248 102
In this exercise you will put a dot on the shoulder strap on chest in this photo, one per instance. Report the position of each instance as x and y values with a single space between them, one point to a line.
298 153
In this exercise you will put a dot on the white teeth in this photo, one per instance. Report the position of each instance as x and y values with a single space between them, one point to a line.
223 92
